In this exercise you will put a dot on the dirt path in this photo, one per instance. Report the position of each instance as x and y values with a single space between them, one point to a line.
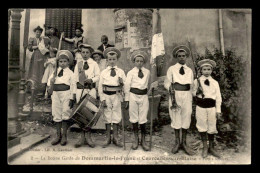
45 153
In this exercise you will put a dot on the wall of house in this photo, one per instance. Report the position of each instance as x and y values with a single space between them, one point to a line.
200 25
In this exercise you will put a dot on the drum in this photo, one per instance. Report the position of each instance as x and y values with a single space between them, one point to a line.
87 112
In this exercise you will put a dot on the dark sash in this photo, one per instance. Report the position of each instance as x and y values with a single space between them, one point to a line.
60 87
138 91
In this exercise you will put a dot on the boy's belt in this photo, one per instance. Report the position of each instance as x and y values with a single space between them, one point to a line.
110 90
86 86
179 87
60 87
205 103
138 91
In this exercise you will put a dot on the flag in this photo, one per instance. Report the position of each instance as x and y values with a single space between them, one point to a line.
157 44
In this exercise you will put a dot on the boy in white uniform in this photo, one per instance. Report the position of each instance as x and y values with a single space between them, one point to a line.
110 84
179 80
208 105
136 97
63 96
86 74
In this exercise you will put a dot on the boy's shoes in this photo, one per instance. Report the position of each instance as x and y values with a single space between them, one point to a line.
188 150
115 136
176 147
214 153
117 142
58 130
89 140
108 134
65 127
205 152
81 141
108 141
56 140
136 142
144 145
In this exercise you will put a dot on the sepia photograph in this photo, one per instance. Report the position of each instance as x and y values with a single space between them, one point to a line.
129 86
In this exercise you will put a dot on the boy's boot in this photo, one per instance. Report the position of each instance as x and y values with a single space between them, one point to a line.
58 138
89 139
108 134
176 147
82 140
115 136
184 145
136 141
143 143
65 126
205 145
211 146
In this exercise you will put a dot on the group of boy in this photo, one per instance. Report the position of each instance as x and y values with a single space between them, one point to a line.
89 79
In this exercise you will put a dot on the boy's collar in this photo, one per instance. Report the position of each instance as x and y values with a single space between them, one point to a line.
181 64
204 77
109 67
142 68
64 68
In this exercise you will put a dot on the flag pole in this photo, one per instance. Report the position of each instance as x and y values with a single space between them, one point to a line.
151 123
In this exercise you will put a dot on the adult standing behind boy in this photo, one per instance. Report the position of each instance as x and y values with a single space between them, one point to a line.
77 40
104 45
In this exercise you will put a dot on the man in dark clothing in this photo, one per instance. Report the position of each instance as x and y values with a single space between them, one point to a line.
104 45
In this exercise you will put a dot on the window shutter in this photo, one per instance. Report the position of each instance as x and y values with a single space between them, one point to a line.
65 20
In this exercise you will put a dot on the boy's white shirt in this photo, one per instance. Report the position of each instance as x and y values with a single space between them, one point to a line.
67 78
173 76
212 91
106 79
93 72
132 80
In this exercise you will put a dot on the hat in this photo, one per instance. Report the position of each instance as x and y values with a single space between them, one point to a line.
66 53
112 49
97 52
139 53
207 62
86 46
37 28
180 48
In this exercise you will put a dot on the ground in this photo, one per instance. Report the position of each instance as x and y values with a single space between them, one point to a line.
45 153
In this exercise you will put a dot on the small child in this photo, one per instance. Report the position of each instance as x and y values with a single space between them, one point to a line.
208 105
63 96
49 65
110 84
136 97
97 55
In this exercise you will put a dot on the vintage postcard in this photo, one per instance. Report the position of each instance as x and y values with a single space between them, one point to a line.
129 86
